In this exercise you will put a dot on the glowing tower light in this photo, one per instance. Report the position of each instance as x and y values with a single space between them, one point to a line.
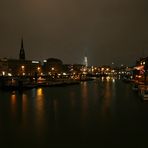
85 61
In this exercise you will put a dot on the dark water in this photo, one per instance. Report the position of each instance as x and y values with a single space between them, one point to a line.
101 112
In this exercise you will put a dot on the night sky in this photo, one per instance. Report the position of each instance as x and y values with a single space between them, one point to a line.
106 30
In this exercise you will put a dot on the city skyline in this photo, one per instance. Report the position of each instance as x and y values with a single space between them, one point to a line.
109 31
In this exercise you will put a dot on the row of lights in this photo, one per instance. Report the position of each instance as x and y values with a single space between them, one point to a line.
84 70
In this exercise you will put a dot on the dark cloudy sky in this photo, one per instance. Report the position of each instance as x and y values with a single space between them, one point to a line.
107 30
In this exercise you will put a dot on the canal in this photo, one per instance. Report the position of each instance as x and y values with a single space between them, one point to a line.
103 112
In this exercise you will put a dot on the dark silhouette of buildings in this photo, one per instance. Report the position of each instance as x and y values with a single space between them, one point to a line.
22 51
21 66
52 66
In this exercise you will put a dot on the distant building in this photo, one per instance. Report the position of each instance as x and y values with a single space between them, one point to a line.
15 67
73 68
52 66
21 66
141 69
3 66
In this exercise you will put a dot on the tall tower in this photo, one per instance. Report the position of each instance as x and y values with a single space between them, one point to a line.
85 58
85 61
22 51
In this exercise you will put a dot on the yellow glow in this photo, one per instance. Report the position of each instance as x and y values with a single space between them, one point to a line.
3 73
84 69
13 97
139 67
39 92
24 103
40 78
138 76
9 74
64 73
108 78
13 104
39 107
38 68
22 66
113 80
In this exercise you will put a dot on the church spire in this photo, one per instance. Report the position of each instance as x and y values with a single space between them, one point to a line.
22 51
22 43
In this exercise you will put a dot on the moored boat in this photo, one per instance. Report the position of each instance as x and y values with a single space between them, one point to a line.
143 92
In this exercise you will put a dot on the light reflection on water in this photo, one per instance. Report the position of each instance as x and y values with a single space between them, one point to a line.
55 108
13 100
85 100
72 96
72 111
89 98
13 105
39 102
24 103
107 99
38 105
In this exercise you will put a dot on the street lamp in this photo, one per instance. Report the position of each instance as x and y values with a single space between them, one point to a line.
23 69
52 71
38 68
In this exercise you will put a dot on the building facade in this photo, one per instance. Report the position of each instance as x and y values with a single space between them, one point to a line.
21 66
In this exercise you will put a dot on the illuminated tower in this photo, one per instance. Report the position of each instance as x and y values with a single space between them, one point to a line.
22 52
85 61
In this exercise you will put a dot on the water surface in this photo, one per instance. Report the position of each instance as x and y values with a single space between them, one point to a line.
105 112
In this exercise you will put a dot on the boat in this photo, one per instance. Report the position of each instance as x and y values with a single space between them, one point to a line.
143 92
136 85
